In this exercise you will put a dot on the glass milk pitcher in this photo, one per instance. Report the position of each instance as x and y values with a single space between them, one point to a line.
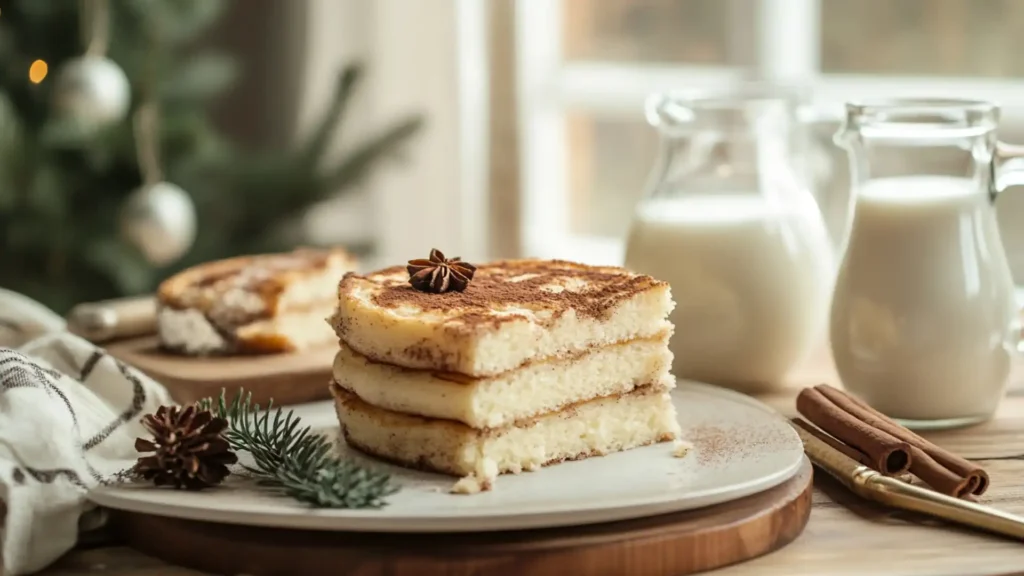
730 223
923 321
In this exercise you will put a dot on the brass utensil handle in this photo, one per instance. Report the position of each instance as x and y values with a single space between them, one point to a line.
114 319
899 494
871 485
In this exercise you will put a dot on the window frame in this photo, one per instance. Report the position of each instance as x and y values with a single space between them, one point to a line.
426 58
779 41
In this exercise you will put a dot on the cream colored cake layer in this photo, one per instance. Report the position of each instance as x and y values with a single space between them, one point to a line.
293 330
592 428
492 402
495 326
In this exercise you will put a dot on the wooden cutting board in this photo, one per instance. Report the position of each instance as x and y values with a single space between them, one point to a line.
285 378
668 545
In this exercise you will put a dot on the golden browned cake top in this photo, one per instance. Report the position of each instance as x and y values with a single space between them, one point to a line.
261 277
505 289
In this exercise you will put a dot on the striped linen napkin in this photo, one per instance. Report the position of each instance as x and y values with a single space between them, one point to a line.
69 416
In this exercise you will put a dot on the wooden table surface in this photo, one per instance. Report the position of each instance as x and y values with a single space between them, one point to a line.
845 535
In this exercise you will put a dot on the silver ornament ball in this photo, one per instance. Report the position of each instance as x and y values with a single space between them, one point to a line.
160 220
92 91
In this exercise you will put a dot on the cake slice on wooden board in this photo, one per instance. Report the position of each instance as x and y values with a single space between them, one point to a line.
525 363
262 304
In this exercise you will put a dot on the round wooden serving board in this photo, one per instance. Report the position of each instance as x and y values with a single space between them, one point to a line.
286 378
669 545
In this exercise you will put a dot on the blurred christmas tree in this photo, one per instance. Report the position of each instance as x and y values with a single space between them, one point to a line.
111 173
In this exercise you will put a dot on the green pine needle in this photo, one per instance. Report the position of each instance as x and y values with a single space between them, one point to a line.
294 460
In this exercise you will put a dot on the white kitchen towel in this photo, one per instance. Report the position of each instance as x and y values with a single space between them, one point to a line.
69 416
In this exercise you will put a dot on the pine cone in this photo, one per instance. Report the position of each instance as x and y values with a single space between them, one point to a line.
190 452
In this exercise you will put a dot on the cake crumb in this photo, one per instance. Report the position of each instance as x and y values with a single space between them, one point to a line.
471 484
681 448
480 480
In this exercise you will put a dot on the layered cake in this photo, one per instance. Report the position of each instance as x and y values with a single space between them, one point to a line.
269 303
511 366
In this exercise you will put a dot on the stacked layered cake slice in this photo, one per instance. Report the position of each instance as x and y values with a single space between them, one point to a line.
531 363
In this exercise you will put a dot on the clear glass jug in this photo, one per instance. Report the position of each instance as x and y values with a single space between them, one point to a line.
729 221
923 320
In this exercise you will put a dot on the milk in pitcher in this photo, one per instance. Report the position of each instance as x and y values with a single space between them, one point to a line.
923 322
751 275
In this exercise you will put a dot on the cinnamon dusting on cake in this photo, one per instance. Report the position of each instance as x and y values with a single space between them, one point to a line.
554 286
265 275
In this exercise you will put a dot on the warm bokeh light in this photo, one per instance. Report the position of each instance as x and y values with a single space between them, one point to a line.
37 71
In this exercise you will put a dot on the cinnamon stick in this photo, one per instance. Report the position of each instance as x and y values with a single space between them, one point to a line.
977 478
846 449
934 474
888 454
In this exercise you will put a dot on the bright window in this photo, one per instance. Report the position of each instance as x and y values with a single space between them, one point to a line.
584 68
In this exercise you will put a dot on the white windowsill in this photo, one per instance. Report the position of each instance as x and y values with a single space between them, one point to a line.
617 89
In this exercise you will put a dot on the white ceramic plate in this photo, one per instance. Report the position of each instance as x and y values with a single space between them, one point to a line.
740 448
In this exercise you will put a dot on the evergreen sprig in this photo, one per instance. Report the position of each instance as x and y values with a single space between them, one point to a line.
294 460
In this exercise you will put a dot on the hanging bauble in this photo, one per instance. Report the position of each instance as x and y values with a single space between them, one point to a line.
160 220
93 91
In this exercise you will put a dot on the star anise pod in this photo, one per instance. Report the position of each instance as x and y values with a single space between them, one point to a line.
189 449
439 274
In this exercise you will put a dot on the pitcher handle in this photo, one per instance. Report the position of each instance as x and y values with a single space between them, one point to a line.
1008 166
1008 170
